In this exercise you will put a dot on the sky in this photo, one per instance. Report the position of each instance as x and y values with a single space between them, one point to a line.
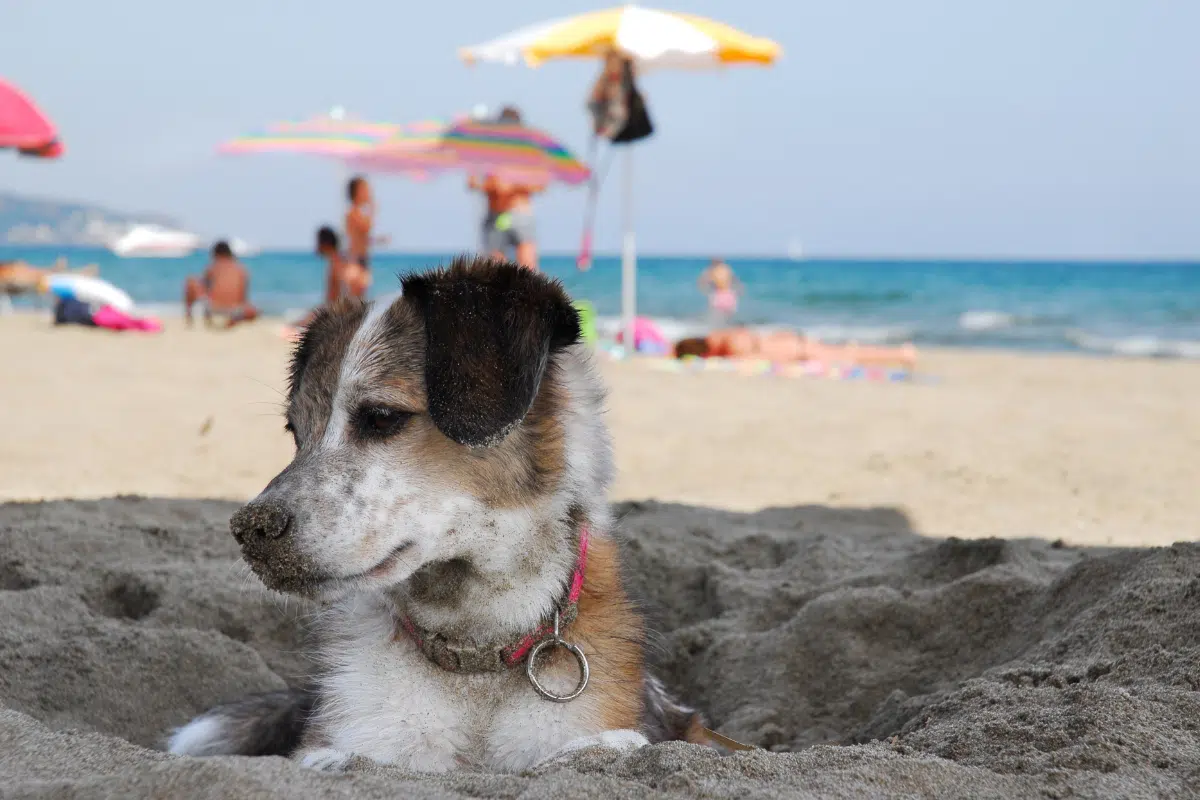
920 128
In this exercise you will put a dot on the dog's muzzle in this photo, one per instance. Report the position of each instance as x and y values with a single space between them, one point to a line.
264 529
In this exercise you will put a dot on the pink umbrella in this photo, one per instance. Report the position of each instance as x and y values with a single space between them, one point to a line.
24 127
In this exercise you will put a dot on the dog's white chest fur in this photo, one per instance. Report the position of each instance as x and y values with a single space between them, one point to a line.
385 701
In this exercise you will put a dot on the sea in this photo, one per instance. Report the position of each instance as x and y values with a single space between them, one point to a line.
1147 309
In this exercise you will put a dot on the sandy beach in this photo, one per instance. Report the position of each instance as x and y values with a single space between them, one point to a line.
835 630
1089 450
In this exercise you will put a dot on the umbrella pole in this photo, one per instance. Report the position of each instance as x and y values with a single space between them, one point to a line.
628 257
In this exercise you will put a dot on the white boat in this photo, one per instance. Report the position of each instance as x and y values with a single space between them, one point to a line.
154 241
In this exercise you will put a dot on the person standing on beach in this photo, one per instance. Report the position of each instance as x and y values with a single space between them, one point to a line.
722 286
360 221
509 225
224 288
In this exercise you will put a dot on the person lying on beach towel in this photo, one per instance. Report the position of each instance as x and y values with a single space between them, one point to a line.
787 346
20 277
224 289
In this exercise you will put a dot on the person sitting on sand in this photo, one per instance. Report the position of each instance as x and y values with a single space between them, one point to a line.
345 278
722 287
360 220
788 346
223 288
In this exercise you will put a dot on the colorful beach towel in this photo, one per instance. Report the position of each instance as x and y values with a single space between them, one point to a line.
757 367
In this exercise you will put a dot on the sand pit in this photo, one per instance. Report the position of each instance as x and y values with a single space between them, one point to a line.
874 662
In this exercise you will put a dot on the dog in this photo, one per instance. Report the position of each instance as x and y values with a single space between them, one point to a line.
447 505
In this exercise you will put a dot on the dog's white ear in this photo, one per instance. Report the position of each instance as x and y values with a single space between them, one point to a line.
490 330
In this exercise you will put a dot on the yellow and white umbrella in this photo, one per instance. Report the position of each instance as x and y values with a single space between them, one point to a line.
652 38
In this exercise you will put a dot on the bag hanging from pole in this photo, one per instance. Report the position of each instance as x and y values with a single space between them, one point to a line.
622 119
637 125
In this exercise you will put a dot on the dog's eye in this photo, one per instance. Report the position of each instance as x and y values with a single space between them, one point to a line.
379 422
291 429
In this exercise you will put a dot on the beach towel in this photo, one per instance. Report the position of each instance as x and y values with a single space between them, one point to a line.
647 338
116 320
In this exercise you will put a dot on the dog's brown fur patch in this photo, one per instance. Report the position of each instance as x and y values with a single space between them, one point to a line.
517 471
611 634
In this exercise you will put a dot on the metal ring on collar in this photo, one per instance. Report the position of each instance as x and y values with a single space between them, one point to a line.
557 641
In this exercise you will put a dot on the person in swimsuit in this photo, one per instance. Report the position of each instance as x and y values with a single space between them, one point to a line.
788 346
722 287
360 220
346 277
223 288
509 224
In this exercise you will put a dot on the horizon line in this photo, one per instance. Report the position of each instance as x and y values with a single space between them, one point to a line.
686 255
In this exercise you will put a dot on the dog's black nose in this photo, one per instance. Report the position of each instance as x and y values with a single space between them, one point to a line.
268 519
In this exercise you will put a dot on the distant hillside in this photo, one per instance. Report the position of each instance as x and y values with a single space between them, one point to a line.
33 220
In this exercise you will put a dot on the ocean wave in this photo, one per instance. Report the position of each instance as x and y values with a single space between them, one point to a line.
991 320
986 320
852 298
1145 346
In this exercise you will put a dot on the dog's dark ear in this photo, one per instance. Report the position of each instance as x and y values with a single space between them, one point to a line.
490 330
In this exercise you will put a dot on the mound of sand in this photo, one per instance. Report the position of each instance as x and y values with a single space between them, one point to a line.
873 662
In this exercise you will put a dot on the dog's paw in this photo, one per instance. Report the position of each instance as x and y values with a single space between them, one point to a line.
325 759
623 740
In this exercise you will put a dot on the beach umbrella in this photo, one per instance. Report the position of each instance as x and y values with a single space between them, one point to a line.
412 149
333 135
510 150
652 39
24 127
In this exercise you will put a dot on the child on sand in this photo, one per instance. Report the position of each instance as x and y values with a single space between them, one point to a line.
722 288
224 288
345 279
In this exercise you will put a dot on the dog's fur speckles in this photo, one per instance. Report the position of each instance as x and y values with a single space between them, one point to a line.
465 517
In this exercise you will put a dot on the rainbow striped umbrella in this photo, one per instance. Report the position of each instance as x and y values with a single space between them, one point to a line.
332 135
413 149
512 151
